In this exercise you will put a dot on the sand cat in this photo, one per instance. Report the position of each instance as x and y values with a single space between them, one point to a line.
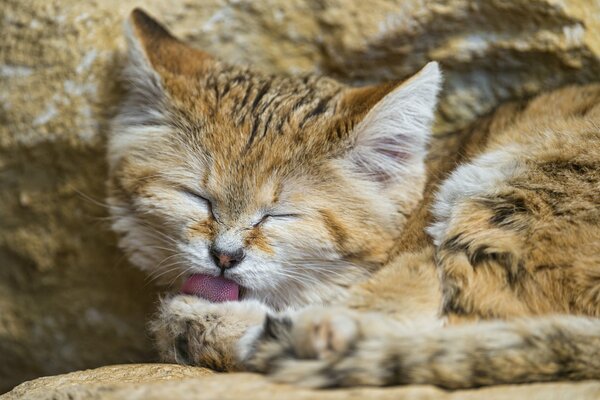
315 235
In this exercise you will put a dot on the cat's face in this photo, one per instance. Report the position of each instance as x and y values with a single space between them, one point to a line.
294 187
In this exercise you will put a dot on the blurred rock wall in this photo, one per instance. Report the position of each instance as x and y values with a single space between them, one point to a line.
68 299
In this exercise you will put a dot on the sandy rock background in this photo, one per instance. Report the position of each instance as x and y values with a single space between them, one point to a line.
68 299
165 381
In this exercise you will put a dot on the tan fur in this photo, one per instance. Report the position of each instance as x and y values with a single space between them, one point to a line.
511 205
527 247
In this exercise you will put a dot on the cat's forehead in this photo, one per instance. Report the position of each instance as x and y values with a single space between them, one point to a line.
240 107
247 92
256 132
246 121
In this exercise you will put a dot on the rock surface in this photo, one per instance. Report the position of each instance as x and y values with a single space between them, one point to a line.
68 300
164 381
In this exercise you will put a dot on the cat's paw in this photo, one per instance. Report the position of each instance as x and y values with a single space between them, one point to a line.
190 330
365 363
324 347
312 334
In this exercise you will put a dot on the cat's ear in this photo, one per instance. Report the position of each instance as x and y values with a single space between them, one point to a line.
395 122
153 56
152 52
152 42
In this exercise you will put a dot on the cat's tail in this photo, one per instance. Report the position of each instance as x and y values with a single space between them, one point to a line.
528 350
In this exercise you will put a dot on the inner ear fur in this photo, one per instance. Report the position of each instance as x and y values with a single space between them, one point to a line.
392 124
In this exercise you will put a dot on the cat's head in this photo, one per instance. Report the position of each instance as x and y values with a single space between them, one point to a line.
292 186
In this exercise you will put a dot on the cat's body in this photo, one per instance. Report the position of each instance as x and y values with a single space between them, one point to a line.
318 193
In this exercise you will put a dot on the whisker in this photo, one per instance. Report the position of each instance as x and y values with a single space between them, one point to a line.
189 268
89 198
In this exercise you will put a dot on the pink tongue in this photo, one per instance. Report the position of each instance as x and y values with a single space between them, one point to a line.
212 288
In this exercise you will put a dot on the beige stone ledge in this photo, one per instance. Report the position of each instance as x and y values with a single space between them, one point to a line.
166 381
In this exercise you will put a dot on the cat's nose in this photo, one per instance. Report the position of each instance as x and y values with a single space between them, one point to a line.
226 259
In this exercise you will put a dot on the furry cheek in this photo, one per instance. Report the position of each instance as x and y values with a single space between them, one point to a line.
294 241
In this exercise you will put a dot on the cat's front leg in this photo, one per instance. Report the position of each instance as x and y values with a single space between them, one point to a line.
193 331
314 333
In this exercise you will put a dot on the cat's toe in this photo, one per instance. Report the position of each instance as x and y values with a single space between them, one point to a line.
324 333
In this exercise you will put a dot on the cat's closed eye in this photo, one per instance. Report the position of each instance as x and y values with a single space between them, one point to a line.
198 197
266 217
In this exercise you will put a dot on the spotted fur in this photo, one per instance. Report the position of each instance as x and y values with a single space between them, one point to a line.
363 265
